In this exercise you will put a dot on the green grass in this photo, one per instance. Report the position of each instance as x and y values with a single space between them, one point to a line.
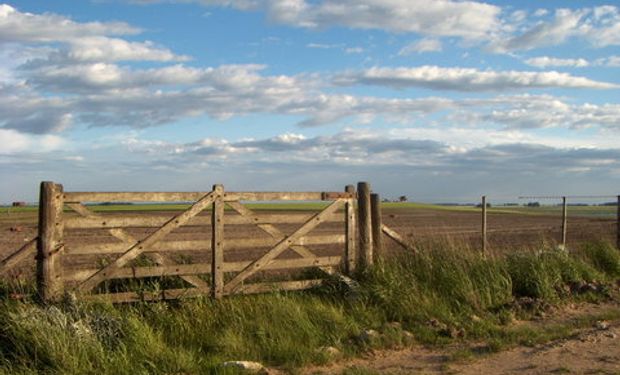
434 295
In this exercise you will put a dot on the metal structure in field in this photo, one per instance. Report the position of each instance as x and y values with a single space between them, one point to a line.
215 277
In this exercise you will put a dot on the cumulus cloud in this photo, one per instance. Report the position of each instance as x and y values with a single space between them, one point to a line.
14 142
16 26
599 26
466 19
420 46
540 111
465 79
546 61
393 150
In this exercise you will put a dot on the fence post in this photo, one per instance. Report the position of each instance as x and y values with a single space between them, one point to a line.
484 223
375 213
365 223
50 243
350 254
618 223
217 242
564 219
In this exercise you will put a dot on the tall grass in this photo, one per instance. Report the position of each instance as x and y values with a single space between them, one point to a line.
442 293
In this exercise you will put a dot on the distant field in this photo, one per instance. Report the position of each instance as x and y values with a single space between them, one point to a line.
586 211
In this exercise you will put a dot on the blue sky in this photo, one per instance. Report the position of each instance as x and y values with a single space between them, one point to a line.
442 100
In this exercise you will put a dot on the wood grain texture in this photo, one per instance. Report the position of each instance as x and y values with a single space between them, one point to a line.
121 197
397 237
50 242
205 268
127 242
217 242
281 246
364 224
28 250
149 241
350 232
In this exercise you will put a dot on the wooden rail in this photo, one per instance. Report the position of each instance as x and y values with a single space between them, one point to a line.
205 277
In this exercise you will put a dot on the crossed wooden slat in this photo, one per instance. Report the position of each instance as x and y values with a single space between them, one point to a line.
283 244
29 249
138 247
129 240
274 232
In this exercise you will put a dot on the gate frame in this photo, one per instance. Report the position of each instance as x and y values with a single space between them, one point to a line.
50 243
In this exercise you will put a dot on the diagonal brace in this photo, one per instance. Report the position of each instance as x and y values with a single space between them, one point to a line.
147 243
284 244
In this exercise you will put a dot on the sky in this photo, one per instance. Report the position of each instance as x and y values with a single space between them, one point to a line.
436 100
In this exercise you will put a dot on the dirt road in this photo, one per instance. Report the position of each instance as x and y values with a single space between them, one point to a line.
591 350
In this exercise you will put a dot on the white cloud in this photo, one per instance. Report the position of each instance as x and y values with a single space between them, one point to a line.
14 142
540 111
610 61
546 61
422 45
465 79
599 26
351 50
113 49
16 26
467 19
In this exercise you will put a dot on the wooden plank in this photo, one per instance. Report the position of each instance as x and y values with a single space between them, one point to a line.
150 240
277 286
153 221
217 242
204 268
197 245
273 196
28 250
166 294
377 222
121 197
365 224
397 237
278 235
484 223
281 246
128 241
564 220
350 232
50 242
172 294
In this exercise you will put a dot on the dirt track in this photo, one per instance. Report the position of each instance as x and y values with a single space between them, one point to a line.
589 350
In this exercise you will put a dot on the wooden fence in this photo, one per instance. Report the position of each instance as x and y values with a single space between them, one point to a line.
216 276
143 246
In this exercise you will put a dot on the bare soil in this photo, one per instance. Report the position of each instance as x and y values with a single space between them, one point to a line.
506 232
590 350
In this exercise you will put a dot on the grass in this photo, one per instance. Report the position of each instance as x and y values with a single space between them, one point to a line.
446 294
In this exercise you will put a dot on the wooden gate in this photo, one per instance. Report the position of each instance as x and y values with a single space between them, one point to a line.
288 242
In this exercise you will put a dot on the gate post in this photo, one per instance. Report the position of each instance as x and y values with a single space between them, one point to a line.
50 242
377 223
217 242
365 223
564 217
484 223
350 255
618 223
